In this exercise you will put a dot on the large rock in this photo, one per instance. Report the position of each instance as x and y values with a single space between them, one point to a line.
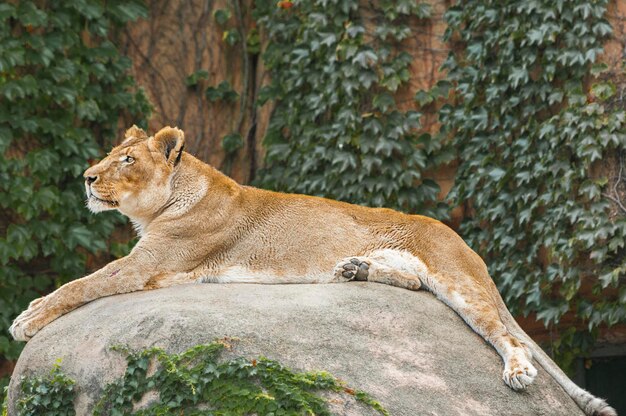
407 349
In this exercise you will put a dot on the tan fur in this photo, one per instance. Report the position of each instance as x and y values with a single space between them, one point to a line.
198 225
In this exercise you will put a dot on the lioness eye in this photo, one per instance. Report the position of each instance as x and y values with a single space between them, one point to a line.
129 159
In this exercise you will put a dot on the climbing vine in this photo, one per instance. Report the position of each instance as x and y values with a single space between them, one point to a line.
534 133
49 395
336 129
63 87
196 382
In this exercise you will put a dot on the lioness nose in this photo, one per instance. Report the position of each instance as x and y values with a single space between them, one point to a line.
91 179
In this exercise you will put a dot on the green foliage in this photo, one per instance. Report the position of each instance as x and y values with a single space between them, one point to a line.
222 92
231 37
337 130
5 402
440 90
196 382
232 142
530 138
253 42
51 395
222 16
63 86
193 79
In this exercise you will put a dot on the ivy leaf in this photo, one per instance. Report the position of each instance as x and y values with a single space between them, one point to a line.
598 68
222 92
441 89
603 90
555 97
535 36
6 10
497 173
232 142
253 41
518 76
602 29
383 102
328 39
29 15
222 16
79 235
423 98
266 93
365 58
231 37
91 10
88 110
194 78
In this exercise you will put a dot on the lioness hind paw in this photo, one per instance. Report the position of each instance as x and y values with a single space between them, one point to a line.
352 269
519 376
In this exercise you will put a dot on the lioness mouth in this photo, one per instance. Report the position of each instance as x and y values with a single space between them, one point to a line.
113 203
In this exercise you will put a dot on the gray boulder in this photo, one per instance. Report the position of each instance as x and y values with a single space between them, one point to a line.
407 349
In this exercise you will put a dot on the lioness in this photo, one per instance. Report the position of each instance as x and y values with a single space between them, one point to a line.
198 225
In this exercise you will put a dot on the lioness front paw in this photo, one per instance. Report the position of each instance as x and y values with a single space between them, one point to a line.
23 328
519 373
28 323
352 269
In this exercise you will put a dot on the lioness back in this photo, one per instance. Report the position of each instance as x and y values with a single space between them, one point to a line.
312 232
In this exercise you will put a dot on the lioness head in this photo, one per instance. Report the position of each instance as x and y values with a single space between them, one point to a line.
135 177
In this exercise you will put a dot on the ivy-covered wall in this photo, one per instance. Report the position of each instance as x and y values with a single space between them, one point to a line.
337 129
533 126
64 87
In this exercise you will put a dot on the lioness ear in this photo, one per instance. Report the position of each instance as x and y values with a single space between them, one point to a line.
135 131
170 142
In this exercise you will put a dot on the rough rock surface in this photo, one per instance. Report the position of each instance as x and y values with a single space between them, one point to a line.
407 349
